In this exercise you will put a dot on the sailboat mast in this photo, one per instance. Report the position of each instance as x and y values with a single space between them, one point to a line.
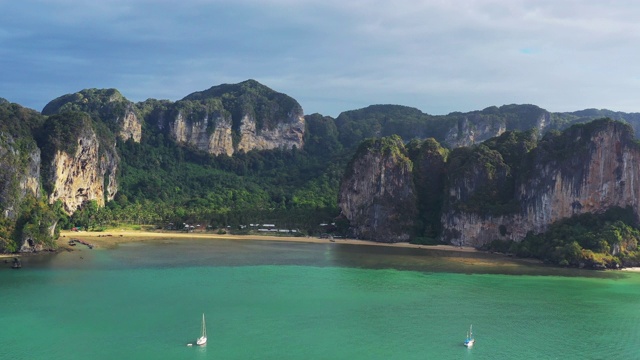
204 327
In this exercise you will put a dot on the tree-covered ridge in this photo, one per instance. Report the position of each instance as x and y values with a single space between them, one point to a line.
61 132
379 121
389 146
486 175
481 178
102 105
410 123
321 136
559 146
19 122
265 105
587 115
515 117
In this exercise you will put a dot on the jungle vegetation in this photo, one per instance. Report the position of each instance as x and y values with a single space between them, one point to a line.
162 183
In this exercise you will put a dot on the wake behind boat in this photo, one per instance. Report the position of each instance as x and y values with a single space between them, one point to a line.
469 341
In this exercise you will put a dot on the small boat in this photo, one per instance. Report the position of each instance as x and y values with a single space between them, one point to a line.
469 341
17 264
203 335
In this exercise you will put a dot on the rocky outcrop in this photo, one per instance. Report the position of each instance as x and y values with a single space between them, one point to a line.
217 138
199 135
589 168
130 127
471 130
429 163
227 118
80 176
476 127
285 134
19 173
377 195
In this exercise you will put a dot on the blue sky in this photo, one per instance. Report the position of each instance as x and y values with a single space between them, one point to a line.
331 56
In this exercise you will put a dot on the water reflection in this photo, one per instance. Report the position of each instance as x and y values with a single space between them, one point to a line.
198 252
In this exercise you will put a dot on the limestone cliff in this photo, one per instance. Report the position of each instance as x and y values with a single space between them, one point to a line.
235 117
478 126
429 162
471 130
588 168
211 133
19 157
129 126
19 173
285 134
377 195
81 165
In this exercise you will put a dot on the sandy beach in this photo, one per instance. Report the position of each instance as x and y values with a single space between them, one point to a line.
110 239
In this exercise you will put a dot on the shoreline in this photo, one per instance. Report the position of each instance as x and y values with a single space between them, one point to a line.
110 239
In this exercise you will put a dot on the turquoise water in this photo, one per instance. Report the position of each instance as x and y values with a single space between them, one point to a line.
267 300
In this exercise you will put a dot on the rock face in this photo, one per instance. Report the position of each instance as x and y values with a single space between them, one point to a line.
429 163
130 127
377 195
240 117
216 137
80 176
222 120
452 130
198 134
471 130
588 168
19 174
285 134
476 127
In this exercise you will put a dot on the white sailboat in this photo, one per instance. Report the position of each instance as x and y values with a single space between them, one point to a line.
469 341
203 335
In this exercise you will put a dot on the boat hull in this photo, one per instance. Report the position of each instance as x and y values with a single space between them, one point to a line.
469 343
201 341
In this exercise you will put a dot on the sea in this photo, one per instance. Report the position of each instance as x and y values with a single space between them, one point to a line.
282 300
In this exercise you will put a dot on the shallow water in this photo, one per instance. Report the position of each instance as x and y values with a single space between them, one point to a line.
276 300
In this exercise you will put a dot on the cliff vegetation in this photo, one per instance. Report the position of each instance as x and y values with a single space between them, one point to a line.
243 153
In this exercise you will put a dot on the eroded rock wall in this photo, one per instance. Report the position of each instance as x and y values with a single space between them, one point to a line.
130 126
19 174
377 195
599 173
285 134
79 177
197 133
